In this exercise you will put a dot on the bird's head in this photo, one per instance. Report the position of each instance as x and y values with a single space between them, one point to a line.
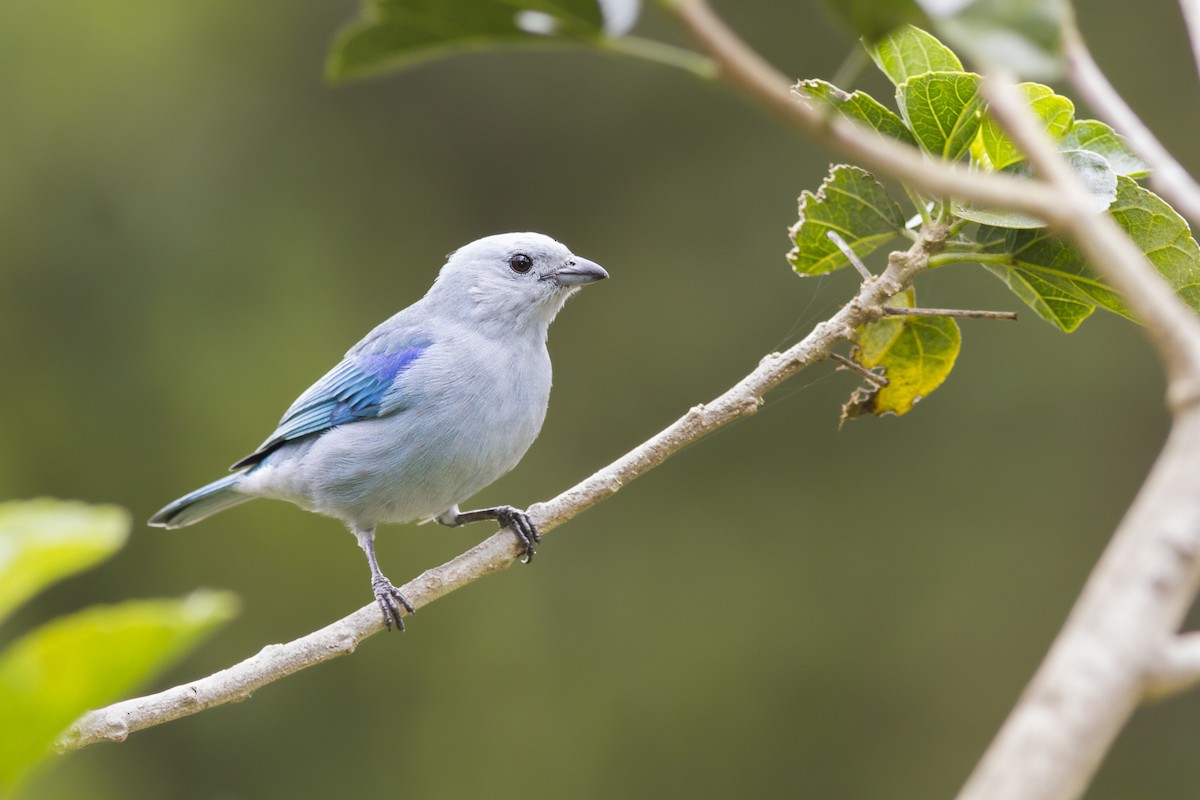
512 280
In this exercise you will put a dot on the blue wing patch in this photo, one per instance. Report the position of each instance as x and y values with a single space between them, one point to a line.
355 389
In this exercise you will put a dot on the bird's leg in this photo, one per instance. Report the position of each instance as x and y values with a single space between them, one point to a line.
390 598
508 517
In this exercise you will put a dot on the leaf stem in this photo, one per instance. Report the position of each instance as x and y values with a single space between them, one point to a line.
894 311
921 204
965 256
957 226
850 70
669 55
943 215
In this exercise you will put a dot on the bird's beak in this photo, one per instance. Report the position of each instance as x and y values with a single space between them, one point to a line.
578 271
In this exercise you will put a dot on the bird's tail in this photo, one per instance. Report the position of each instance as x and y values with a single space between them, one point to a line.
204 502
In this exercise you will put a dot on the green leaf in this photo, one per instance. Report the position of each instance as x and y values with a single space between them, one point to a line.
1092 170
993 150
916 354
391 34
1096 137
1053 278
910 51
44 541
55 673
1162 235
943 110
857 106
853 205
1052 297
1022 35
874 18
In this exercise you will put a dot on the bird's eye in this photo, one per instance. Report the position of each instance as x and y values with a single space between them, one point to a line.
521 263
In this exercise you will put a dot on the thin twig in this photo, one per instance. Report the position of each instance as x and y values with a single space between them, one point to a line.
117 721
854 366
893 311
1167 175
851 255
1191 17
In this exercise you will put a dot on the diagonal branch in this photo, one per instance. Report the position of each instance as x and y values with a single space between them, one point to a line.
1167 176
117 721
1105 660
749 73
1191 17
1173 327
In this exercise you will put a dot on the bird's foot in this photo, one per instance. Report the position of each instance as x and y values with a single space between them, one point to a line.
390 601
522 527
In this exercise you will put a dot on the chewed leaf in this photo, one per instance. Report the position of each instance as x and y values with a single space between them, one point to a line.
44 541
1098 138
993 150
853 205
392 34
916 354
943 110
909 51
1053 278
857 106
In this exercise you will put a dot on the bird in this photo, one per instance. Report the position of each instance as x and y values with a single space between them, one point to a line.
430 407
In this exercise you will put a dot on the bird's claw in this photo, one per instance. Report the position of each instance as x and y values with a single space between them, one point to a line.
390 601
523 528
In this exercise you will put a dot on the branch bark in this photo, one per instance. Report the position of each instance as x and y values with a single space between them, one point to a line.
115 722
1103 662
1177 667
749 73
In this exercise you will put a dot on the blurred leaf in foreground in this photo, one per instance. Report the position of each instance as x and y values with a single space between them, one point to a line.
88 659
392 34
873 19
1022 35
51 675
44 541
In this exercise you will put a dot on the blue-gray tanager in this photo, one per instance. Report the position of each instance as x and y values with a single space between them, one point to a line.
432 406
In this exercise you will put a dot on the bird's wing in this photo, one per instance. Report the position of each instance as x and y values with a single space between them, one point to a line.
361 386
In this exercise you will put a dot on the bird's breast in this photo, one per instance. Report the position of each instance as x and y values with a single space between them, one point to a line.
468 421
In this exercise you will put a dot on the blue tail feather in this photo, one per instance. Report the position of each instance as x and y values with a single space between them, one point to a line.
204 502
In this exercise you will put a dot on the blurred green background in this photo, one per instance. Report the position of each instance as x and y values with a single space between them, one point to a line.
193 227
